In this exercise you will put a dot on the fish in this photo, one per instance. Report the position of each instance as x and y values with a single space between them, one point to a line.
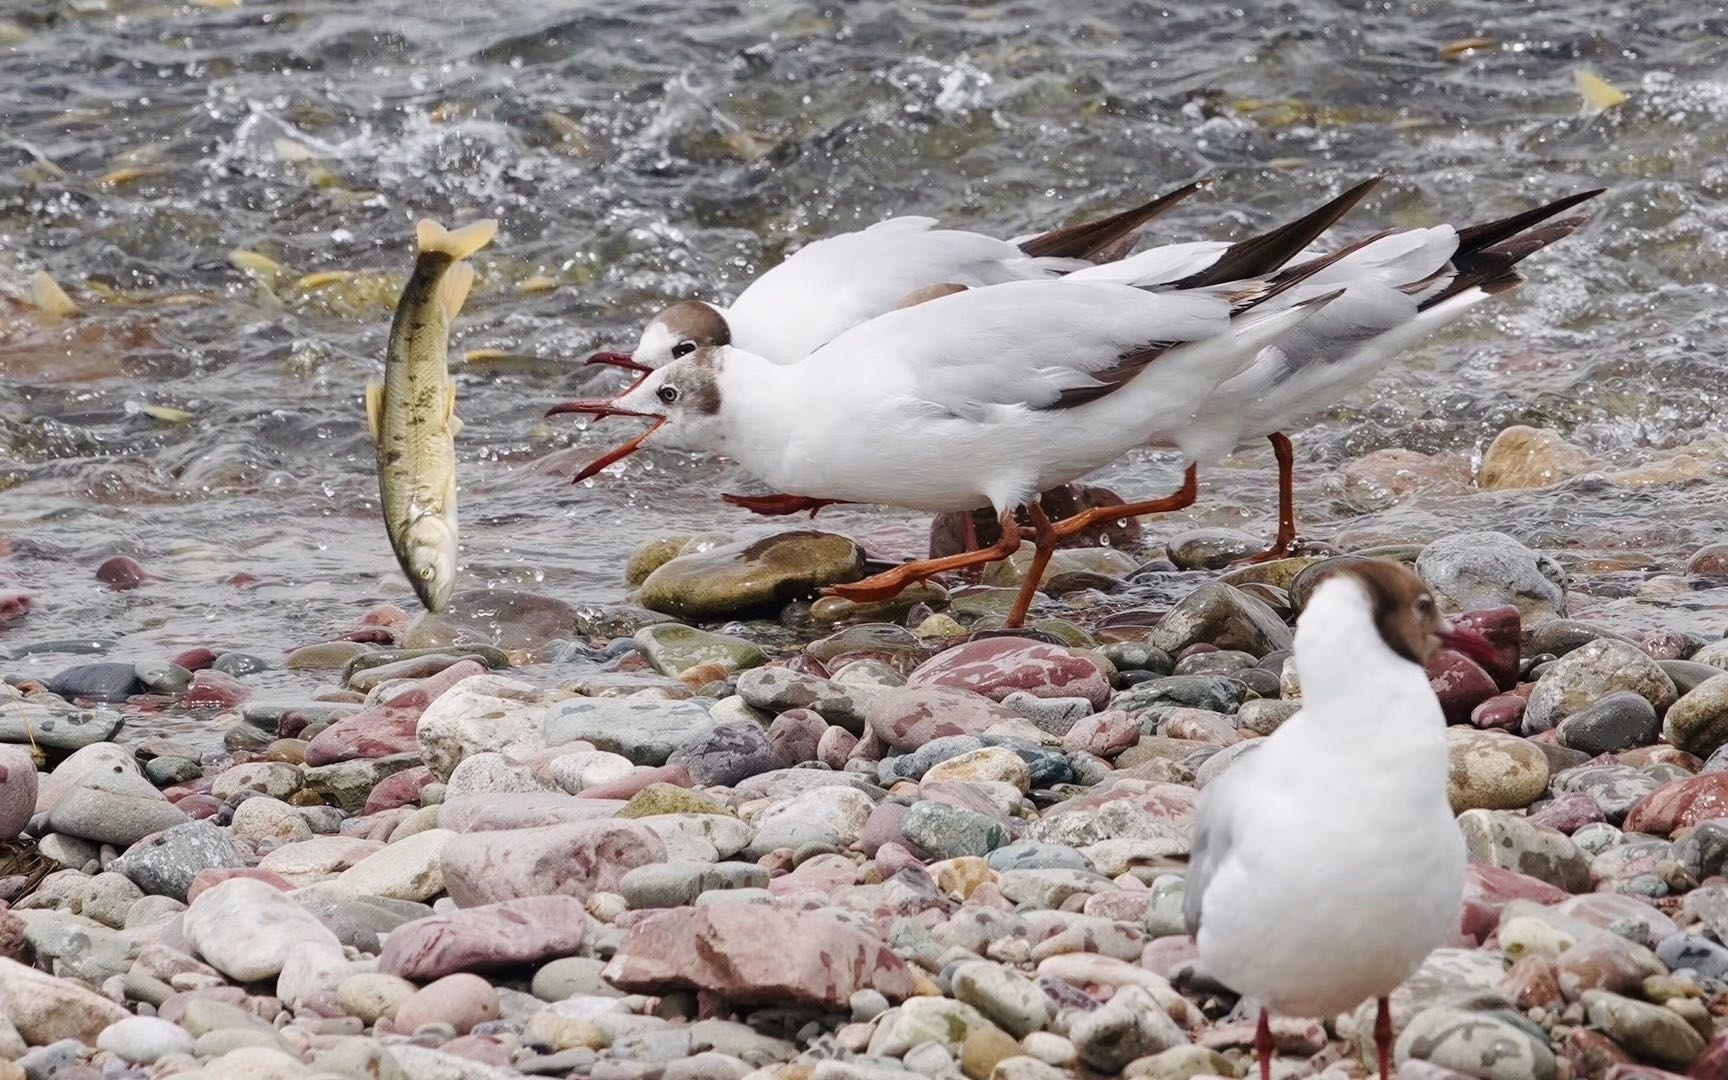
1599 95
412 413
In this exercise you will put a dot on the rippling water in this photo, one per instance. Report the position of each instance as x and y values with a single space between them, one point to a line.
641 151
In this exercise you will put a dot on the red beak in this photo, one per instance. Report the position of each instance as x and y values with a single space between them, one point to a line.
599 409
1471 644
619 360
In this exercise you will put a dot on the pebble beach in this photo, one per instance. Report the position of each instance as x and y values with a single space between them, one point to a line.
642 804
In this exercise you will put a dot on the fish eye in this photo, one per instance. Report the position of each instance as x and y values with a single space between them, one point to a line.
426 573
668 394
683 348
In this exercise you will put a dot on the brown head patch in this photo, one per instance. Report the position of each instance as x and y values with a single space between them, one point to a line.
692 320
696 378
1404 612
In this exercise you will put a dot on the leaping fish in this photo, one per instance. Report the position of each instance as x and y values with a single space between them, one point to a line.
412 413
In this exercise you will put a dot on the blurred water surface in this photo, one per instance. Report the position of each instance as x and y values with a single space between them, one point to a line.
644 150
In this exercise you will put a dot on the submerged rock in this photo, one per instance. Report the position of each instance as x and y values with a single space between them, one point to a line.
751 574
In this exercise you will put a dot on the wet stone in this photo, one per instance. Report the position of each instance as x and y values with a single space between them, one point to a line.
673 649
105 683
1587 674
1698 721
1617 721
751 574
1211 549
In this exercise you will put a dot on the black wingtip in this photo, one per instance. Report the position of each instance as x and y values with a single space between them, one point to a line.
1110 238
1263 255
1486 235
1492 269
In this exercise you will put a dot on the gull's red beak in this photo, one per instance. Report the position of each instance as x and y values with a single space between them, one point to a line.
599 409
1471 644
619 360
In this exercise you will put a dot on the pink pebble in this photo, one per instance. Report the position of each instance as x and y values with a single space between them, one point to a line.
14 604
676 775
217 875
195 659
399 789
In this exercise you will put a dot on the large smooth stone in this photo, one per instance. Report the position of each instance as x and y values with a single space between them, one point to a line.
45 1009
1473 571
488 713
389 727
751 574
1503 839
673 649
997 667
505 618
1698 721
512 933
1590 673
1221 615
53 724
905 718
18 790
815 960
1494 771
577 859
644 729
166 864
247 929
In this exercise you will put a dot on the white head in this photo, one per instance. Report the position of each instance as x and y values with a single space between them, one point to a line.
683 398
1376 605
679 331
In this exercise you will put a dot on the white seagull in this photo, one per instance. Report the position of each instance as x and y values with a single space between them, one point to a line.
831 285
984 397
1327 863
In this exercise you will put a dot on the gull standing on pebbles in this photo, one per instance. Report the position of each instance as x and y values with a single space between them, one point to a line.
1327 864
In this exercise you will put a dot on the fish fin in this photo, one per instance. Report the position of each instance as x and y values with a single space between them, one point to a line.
453 289
450 419
374 407
457 243
1598 93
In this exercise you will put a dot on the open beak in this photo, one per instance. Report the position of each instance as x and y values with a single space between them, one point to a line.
619 360
600 409
1471 644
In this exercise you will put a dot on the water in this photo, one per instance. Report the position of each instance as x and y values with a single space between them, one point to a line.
645 150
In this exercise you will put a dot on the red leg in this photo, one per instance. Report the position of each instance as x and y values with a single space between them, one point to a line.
778 505
1383 1037
1045 538
890 582
969 533
1263 1045
1286 538
1086 519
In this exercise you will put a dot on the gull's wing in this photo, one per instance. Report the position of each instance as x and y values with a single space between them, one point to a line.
832 285
1214 838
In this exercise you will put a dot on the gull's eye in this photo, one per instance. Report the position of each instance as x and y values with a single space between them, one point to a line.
1424 605
683 348
668 394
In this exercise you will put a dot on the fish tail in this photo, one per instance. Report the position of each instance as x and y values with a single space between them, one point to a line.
457 243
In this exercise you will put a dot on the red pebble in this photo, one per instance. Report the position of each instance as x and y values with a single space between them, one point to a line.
242 580
217 875
1503 712
399 789
199 807
122 573
214 689
195 659
14 604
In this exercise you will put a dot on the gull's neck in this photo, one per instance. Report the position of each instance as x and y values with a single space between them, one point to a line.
760 404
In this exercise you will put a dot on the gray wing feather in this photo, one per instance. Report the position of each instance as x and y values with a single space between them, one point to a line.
1211 845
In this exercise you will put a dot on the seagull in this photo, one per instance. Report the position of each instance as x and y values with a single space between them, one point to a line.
831 285
1327 863
983 397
